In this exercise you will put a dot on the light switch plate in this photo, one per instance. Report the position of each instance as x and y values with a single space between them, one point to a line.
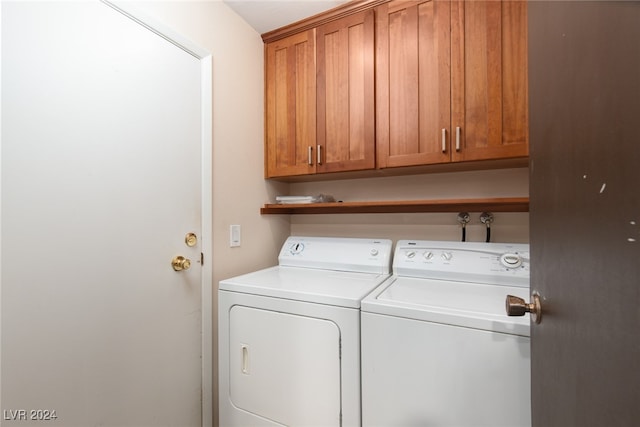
235 237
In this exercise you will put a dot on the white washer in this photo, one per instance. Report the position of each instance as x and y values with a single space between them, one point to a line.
289 335
437 346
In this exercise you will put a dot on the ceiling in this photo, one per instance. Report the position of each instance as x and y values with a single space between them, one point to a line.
267 15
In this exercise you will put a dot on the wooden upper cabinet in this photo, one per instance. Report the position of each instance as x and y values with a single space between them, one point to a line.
413 117
290 135
489 79
345 94
399 83
451 81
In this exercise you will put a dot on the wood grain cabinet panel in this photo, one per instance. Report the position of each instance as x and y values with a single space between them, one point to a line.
451 81
345 94
489 79
290 134
397 84
413 83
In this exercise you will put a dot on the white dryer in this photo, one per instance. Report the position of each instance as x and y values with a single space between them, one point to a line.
289 335
437 346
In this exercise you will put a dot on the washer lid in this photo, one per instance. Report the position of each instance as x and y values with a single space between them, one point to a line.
339 288
473 305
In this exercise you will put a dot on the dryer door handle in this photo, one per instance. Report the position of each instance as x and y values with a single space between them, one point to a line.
244 367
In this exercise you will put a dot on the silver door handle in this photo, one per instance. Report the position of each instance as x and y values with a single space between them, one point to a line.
444 140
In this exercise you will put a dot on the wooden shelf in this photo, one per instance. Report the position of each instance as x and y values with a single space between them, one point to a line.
512 204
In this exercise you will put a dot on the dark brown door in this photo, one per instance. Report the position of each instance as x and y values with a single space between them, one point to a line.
584 73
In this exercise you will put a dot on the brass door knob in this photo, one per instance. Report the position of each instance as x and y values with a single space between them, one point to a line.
180 263
516 306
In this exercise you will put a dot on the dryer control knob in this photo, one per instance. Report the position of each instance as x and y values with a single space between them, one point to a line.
374 252
428 255
447 256
296 248
410 254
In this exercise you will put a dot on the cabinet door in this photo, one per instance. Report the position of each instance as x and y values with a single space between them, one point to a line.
489 79
346 110
290 105
413 83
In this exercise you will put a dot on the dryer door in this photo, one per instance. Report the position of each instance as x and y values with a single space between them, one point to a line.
285 367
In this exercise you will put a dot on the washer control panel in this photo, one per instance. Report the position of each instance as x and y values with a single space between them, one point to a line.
491 263
343 254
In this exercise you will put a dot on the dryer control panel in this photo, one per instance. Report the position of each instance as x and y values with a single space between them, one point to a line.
338 253
491 263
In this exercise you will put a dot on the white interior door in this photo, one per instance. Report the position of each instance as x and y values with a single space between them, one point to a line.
102 178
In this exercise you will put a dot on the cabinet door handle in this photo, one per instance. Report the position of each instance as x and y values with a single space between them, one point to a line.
458 130
319 150
444 140
310 159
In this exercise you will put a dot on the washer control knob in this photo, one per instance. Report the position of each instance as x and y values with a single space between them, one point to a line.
511 260
447 256
427 255
410 254
374 252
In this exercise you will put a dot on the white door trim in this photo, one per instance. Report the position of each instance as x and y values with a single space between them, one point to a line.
206 64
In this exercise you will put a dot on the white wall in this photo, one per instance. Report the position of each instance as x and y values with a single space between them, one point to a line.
507 227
